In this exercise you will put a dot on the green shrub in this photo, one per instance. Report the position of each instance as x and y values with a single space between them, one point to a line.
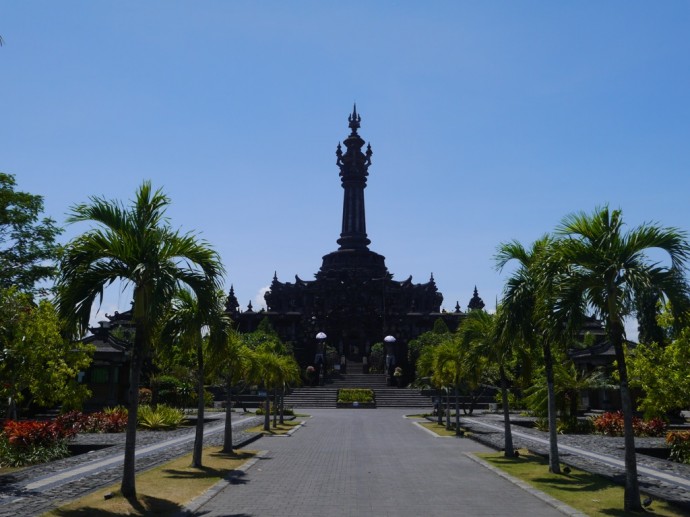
566 426
361 395
174 392
679 442
159 417
287 411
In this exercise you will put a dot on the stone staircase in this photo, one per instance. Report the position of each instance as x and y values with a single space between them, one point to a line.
325 396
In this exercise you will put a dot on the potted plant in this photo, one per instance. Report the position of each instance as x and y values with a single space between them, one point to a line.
311 375
397 374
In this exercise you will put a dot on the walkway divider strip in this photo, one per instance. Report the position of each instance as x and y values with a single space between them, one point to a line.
602 458
74 473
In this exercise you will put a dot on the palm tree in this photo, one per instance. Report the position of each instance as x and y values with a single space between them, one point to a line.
450 366
608 270
184 323
525 295
135 244
481 333
232 361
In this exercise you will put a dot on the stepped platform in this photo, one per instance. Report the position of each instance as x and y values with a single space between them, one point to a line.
325 396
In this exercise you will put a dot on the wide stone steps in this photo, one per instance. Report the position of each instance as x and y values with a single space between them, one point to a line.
317 396
401 397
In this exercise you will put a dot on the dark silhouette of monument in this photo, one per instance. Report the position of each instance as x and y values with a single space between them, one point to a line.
353 299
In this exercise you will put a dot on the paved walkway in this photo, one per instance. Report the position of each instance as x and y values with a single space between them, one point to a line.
369 462
35 490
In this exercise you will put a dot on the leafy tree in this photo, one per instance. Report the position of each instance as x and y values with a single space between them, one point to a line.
663 373
135 244
187 319
36 361
27 243
439 333
609 269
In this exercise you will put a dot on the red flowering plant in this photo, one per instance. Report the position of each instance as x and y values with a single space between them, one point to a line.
679 442
27 442
611 424
108 421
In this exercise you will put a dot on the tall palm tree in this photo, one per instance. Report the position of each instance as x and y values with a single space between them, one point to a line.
524 294
137 245
481 333
184 323
608 269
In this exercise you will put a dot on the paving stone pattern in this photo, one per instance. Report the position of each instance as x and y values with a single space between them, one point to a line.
353 462
16 501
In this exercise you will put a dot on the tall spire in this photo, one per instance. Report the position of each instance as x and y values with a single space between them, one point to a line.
354 169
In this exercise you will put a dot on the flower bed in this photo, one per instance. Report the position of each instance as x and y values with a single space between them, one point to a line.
355 397
28 442
611 424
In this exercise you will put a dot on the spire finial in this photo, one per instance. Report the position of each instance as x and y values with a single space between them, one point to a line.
354 119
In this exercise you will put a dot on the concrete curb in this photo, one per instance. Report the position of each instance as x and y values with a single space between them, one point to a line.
192 507
558 505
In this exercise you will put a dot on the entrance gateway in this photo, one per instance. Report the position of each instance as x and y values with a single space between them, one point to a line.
353 298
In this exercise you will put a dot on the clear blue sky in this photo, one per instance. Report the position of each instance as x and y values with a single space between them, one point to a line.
489 121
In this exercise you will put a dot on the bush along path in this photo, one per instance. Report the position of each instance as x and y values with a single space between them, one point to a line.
594 453
39 488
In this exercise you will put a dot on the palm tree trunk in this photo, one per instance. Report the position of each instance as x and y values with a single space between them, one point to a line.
227 433
457 412
554 461
439 406
508 433
267 410
128 485
631 498
199 436
275 407
282 405
448 409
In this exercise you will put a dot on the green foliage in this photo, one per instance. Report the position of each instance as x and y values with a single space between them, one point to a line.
27 245
376 357
568 383
172 391
275 410
679 442
361 395
34 356
440 327
663 373
160 417
569 425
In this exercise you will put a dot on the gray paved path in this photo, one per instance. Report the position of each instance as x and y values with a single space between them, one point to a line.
369 462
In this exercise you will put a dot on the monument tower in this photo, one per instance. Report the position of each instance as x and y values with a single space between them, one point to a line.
353 298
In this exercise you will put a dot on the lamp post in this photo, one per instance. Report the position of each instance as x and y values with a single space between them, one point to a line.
320 358
390 356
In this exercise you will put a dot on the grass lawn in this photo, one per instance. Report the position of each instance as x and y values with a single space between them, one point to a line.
281 429
163 490
591 494
440 429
